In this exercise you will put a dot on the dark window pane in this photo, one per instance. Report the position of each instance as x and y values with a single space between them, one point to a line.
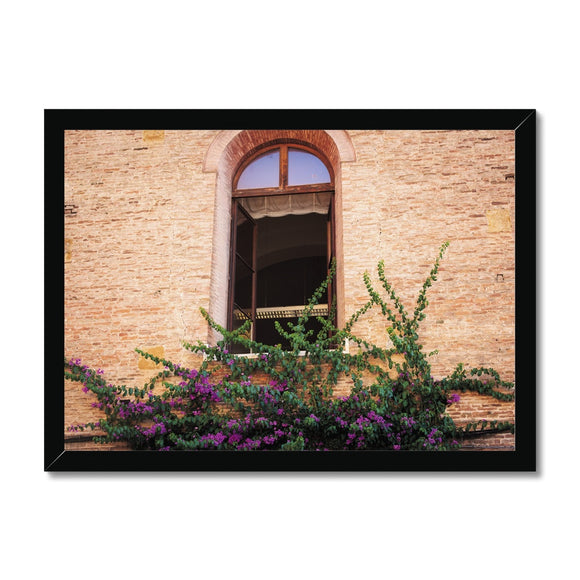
245 238
239 319
290 283
263 172
305 168
243 287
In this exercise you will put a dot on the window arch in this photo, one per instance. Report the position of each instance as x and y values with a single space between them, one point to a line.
288 167
282 236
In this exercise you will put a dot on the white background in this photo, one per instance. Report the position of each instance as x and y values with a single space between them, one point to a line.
300 55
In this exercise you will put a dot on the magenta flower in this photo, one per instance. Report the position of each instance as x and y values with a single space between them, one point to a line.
234 438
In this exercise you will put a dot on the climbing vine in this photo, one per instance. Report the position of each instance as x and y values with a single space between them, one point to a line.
284 399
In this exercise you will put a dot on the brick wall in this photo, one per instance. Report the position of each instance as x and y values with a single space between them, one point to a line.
138 248
407 193
141 251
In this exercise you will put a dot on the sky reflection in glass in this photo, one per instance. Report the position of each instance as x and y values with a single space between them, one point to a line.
305 168
263 172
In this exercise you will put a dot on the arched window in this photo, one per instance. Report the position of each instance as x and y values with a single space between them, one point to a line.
282 237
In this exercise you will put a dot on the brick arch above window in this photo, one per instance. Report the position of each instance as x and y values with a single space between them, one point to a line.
230 146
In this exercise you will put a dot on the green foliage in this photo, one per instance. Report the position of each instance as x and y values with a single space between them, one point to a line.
275 399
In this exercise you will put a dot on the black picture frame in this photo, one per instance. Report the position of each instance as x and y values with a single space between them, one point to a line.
522 458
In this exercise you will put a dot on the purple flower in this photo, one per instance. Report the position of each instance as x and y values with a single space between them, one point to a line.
234 438
215 438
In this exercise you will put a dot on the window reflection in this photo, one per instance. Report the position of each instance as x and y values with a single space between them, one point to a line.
305 168
263 172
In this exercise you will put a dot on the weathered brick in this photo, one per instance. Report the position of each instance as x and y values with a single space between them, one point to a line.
145 229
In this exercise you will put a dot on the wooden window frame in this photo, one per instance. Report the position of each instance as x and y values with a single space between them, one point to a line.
282 189
234 255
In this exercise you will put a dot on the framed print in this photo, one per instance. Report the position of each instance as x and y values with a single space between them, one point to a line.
290 290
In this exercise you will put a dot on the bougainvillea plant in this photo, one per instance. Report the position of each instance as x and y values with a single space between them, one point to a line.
284 399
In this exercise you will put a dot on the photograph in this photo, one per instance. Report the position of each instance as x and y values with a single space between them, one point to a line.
314 285
251 290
